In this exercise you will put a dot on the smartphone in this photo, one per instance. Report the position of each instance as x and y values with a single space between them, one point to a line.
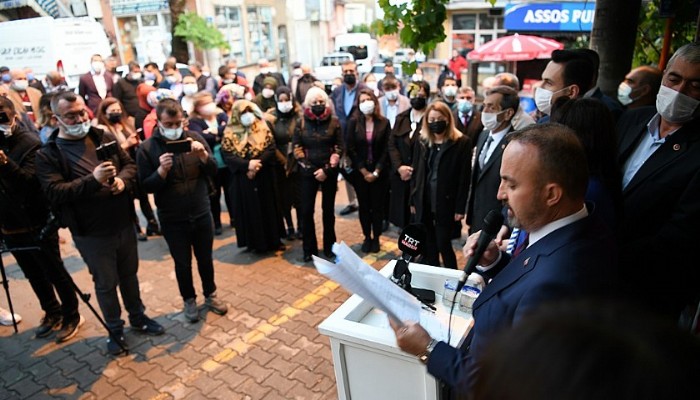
4 118
178 146
106 151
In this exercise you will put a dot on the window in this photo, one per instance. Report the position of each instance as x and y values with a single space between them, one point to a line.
228 21
260 33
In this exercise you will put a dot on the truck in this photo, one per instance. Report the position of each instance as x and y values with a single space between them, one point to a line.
362 47
53 44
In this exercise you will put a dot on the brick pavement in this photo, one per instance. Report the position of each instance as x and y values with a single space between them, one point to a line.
266 347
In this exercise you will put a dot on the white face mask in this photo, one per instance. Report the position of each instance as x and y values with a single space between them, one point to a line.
392 95
20 85
189 89
247 119
248 96
449 91
171 79
233 71
170 133
297 72
267 93
135 76
367 107
206 73
97 66
674 106
543 99
208 109
623 94
417 78
372 85
285 106
264 71
77 131
490 120
6 130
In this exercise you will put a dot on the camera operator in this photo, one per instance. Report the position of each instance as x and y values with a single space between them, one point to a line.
177 165
92 199
23 212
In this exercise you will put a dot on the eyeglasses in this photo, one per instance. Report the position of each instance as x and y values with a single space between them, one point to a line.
73 116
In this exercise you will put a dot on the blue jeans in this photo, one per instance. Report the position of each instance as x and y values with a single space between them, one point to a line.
184 237
114 261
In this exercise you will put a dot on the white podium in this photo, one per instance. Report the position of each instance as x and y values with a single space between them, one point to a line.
368 364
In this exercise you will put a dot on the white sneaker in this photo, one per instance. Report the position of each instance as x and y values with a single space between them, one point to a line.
6 317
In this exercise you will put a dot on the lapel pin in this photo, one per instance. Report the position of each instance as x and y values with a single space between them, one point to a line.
527 260
676 147
503 146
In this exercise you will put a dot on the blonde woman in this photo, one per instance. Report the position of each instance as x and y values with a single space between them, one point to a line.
440 183
248 148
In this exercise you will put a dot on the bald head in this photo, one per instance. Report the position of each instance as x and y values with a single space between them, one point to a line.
644 82
507 79
305 69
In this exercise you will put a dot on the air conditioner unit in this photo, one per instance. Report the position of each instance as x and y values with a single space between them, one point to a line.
495 12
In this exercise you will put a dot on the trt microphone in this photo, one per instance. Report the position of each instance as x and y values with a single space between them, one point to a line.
411 241
492 224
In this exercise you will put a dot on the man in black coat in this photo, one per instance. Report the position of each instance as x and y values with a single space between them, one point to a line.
659 151
24 212
125 91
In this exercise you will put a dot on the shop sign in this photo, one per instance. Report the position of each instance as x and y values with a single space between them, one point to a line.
130 7
572 17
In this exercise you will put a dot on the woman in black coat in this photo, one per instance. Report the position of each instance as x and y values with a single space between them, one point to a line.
440 183
317 149
403 137
367 146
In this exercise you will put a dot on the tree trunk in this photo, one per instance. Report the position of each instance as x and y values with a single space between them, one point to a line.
613 37
179 45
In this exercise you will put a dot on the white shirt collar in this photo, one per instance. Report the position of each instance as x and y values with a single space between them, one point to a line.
558 224
498 136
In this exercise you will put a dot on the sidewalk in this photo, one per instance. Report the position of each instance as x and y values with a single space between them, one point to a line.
266 347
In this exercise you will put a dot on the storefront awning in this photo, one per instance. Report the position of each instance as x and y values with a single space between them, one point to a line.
44 8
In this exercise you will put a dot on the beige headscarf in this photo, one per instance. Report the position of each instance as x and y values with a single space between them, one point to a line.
246 141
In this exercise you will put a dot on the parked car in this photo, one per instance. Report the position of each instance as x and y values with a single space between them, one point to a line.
378 71
331 67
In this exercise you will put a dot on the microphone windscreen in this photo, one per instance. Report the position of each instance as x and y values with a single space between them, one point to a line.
411 239
493 222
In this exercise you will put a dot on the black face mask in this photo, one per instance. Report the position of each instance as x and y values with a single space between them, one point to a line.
350 79
437 127
318 109
418 103
114 117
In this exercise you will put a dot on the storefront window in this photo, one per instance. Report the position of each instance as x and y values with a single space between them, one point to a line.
228 21
463 21
472 30
260 33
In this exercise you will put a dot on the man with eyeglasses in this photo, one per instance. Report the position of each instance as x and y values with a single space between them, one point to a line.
91 197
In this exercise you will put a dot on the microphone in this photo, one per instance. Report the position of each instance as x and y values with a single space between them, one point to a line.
492 224
411 241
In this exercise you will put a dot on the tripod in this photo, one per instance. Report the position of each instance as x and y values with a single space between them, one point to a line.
85 297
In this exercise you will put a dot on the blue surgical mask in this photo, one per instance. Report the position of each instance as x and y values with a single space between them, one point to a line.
77 131
6 78
247 119
465 106
170 133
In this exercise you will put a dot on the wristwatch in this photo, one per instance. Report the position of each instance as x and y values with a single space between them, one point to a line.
429 349
375 173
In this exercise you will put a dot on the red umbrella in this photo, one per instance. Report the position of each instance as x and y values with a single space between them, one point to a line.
515 48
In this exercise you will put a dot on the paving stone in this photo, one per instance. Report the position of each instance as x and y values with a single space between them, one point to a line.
25 387
256 372
261 356
253 389
205 384
305 376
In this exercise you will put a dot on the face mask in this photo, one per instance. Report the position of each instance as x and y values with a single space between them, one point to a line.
171 79
285 106
135 76
392 95
437 127
247 119
490 120
6 130
623 94
207 74
30 77
465 106
170 133
297 72
318 109
149 82
372 85
675 107
543 99
267 93
114 117
227 81
417 78
264 71
77 131
97 66
20 85
418 103
6 78
449 91
208 109
149 76
233 71
350 79
248 96
189 89
333 87
367 107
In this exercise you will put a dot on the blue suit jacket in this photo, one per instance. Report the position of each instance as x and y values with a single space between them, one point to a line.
574 261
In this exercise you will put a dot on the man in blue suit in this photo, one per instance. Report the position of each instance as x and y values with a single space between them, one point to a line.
569 253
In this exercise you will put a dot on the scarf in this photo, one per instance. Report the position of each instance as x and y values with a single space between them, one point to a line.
246 142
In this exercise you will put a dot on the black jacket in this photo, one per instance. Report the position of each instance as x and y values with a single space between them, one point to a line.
23 207
358 148
452 180
318 140
82 203
184 193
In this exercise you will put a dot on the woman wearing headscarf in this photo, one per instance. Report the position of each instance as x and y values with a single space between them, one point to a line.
318 148
440 183
266 98
286 119
248 149
368 138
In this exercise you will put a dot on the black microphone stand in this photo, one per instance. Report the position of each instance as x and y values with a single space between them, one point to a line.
402 277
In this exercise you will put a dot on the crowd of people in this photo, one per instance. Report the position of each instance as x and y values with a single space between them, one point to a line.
617 179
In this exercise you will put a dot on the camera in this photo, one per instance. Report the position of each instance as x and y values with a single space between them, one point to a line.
178 146
106 151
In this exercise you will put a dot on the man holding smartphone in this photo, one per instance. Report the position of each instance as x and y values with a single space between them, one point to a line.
177 167
98 210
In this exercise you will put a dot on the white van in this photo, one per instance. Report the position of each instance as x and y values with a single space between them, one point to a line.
46 44
361 46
